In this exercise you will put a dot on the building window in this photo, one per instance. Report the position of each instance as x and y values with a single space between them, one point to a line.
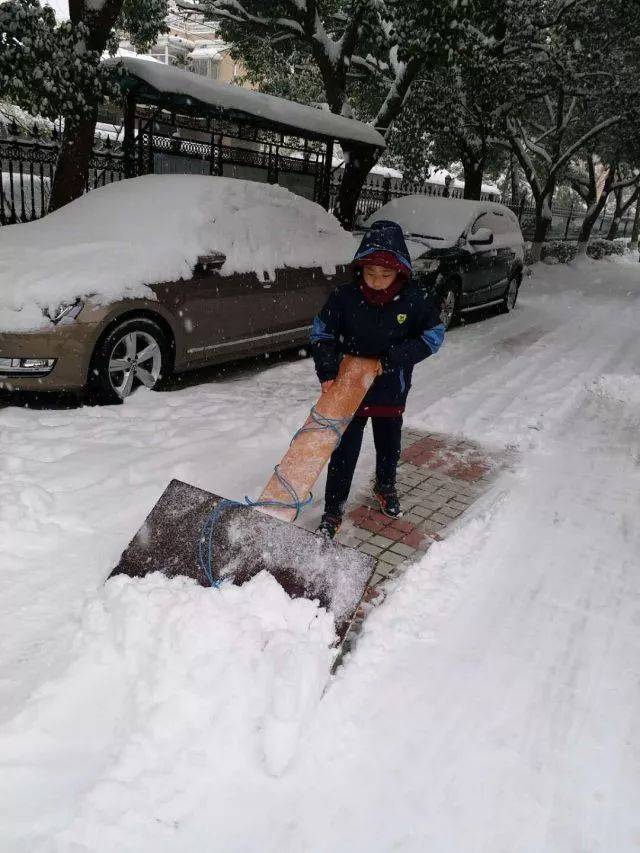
206 68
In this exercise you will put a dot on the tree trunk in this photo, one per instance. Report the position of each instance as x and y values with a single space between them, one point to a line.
590 219
615 224
514 178
72 167
635 233
358 164
543 222
596 204
473 174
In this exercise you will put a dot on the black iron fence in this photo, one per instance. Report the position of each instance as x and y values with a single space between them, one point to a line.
28 158
567 221
27 165
377 191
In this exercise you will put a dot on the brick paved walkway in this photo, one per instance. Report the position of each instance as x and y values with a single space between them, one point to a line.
439 477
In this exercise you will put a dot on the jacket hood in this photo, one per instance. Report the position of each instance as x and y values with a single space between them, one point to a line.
384 236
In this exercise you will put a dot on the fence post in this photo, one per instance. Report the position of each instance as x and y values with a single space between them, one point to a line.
326 177
566 230
386 190
129 136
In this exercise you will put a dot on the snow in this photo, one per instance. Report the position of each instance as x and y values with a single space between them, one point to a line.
60 7
125 53
386 172
152 229
209 50
169 79
437 176
444 219
492 701
430 215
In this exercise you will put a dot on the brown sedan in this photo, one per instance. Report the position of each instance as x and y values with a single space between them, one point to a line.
110 346
206 320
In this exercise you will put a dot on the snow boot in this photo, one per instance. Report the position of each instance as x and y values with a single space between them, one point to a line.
329 526
388 499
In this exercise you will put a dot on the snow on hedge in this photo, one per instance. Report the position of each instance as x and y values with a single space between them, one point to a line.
113 242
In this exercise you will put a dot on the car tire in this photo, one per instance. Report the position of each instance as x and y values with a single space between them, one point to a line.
449 296
511 294
135 352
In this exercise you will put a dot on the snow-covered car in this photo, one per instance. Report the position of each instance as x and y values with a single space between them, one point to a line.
472 252
159 274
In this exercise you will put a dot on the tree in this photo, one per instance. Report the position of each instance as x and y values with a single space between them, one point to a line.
623 200
444 121
454 110
580 81
366 52
635 231
606 167
55 69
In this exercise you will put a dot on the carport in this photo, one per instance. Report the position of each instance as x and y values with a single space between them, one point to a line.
177 121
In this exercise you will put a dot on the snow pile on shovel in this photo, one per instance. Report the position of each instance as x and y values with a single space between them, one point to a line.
171 685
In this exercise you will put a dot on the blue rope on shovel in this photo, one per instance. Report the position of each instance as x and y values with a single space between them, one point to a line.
204 552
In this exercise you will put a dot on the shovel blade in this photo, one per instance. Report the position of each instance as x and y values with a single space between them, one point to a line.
243 543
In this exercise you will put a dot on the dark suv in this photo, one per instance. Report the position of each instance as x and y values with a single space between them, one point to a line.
472 252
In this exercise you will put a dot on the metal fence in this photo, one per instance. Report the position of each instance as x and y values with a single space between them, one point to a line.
377 191
27 166
565 224
28 158
567 221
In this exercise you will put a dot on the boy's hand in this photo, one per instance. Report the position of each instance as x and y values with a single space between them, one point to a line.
326 385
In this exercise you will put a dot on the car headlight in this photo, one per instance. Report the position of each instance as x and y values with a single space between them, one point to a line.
424 265
65 311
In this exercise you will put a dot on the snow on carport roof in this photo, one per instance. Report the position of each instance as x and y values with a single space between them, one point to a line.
244 103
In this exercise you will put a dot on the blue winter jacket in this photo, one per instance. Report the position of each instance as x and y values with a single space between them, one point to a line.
401 333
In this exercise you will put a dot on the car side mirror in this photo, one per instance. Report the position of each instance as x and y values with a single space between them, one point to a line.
482 237
209 263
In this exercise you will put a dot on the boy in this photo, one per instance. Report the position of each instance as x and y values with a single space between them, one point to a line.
380 314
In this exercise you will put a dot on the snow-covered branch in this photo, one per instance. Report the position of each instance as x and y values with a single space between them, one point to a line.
581 142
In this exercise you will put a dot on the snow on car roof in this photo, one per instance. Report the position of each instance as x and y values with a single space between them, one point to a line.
115 240
167 79
429 215
443 219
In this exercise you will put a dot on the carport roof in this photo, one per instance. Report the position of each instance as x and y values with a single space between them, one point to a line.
174 88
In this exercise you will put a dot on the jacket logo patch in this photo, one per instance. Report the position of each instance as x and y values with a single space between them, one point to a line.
401 318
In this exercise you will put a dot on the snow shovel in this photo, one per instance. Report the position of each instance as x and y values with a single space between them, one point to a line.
201 535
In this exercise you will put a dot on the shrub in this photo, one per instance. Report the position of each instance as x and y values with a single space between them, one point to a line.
561 250
600 248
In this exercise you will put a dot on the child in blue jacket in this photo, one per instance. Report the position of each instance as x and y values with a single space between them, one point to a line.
381 314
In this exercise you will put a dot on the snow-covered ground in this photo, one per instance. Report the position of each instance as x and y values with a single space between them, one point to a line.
493 701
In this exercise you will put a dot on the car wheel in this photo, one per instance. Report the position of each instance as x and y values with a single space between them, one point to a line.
136 352
511 295
449 303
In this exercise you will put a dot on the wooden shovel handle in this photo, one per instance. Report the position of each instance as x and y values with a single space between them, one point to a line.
303 462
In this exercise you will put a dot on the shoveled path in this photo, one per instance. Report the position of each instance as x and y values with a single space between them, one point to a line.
439 478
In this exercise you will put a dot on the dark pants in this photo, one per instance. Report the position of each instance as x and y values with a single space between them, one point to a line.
342 465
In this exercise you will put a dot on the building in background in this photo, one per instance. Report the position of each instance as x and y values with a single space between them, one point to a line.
194 44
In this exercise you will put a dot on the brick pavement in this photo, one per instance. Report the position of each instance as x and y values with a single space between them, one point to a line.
439 478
